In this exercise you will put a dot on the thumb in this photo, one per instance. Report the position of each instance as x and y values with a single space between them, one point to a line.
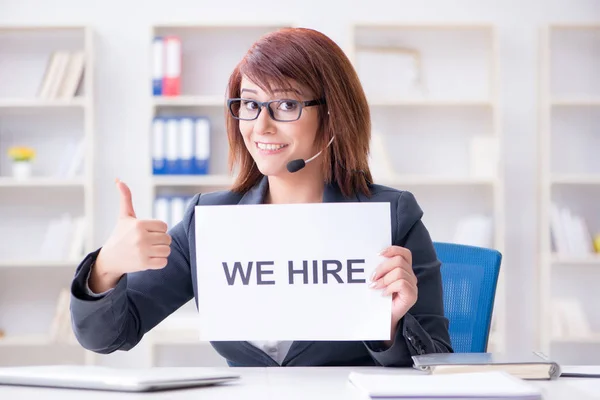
126 207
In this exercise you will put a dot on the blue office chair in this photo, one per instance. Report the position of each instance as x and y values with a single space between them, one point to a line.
469 280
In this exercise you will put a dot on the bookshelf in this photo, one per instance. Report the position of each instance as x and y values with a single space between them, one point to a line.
569 139
209 52
457 119
436 128
47 104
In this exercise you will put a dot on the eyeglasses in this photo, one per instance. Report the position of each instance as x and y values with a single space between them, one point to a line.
284 110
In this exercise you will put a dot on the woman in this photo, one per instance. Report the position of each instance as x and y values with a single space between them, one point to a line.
293 97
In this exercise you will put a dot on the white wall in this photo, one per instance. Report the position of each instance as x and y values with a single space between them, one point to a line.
121 86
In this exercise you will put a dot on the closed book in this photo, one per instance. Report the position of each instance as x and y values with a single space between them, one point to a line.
525 366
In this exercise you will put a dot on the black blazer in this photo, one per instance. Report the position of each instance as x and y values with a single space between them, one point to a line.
141 300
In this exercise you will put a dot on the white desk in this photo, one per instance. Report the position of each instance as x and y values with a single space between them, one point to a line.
272 383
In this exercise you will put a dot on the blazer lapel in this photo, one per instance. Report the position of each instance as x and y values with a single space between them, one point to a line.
333 194
256 195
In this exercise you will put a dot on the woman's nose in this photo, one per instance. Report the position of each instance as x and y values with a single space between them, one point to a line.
264 124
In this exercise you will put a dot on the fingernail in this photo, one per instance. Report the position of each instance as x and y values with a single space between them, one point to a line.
373 275
372 285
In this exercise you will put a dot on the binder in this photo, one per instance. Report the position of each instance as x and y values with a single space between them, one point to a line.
158 65
172 78
202 146
186 143
162 209
158 146
177 210
180 146
172 146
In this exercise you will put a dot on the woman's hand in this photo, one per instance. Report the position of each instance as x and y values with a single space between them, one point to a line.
396 277
134 245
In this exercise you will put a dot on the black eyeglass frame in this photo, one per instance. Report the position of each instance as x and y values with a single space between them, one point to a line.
266 104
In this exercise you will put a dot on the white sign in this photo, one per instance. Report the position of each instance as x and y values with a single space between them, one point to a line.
291 272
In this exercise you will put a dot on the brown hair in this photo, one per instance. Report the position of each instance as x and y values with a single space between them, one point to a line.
311 59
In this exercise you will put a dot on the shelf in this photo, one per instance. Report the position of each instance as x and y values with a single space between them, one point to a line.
178 337
192 180
32 340
422 26
576 26
591 259
576 102
594 339
569 98
41 103
434 181
189 101
41 182
61 129
40 28
575 179
430 103
225 180
217 25
38 264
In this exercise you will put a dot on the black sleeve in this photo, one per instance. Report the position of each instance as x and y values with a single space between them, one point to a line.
424 328
119 319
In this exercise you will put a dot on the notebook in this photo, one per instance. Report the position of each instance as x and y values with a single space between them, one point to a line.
114 379
476 385
580 371
528 366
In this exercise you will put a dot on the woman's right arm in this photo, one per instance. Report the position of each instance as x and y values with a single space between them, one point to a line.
139 277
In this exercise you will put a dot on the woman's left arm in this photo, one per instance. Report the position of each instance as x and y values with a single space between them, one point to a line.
411 275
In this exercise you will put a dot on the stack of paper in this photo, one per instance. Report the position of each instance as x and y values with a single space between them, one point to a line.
497 385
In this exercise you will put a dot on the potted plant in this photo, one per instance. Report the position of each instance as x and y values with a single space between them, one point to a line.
22 161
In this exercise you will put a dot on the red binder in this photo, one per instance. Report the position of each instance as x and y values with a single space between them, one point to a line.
173 59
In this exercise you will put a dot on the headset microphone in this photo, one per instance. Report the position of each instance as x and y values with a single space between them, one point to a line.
298 164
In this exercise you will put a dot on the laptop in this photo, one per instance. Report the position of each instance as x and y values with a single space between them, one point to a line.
114 379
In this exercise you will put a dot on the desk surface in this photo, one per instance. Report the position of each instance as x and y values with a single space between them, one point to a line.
278 383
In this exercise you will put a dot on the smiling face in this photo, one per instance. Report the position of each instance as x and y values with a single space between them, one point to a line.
272 144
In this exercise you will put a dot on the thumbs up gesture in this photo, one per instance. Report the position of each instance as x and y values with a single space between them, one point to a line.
134 245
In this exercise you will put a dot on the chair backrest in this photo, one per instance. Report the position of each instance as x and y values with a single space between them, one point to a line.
469 279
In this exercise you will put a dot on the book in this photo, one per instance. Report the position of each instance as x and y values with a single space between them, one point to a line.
580 371
477 385
525 366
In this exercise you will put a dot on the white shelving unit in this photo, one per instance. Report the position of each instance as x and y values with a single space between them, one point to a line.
209 55
442 125
439 104
31 280
569 269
